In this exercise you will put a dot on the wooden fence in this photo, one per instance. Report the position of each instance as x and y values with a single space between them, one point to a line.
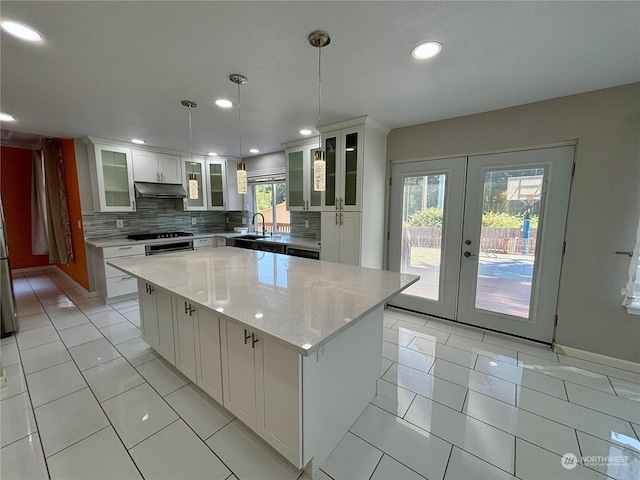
493 240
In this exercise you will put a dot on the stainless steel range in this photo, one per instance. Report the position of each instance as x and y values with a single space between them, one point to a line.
164 247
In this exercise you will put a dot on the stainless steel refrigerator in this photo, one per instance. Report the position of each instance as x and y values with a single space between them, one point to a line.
7 300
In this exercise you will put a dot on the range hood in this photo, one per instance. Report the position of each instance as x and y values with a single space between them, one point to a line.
159 190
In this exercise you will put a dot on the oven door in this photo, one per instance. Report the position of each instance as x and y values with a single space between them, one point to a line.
158 248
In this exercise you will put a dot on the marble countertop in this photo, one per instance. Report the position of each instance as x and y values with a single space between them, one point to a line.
298 302
286 239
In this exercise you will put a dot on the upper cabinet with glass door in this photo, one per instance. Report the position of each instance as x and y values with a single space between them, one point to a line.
193 174
222 190
111 170
299 157
355 150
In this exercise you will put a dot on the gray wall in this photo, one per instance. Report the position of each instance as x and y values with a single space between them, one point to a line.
604 205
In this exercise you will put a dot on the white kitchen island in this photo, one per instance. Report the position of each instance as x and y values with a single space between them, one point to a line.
291 346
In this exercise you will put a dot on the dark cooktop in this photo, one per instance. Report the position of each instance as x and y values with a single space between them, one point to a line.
155 236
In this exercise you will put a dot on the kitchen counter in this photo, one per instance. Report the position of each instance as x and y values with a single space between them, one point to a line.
300 303
303 242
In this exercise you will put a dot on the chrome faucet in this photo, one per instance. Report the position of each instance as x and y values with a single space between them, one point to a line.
264 227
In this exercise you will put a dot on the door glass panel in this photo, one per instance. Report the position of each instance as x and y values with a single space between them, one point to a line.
330 157
422 222
193 172
351 169
116 178
217 191
507 245
315 196
296 180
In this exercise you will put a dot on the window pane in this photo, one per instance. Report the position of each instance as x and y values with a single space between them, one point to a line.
422 220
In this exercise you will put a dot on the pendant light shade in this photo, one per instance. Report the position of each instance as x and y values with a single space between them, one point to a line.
193 187
241 176
319 171
241 173
319 39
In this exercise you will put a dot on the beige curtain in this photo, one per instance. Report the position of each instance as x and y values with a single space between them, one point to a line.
39 242
51 203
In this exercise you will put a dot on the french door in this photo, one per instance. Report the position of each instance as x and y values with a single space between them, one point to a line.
486 235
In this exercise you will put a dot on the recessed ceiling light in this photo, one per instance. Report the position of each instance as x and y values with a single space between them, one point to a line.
254 150
426 50
305 131
223 103
21 31
5 117
212 154
138 141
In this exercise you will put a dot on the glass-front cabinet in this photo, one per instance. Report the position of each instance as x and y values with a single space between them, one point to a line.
193 180
344 156
112 178
216 184
299 169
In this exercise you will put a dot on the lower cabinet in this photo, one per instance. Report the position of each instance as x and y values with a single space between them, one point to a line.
156 319
263 387
341 237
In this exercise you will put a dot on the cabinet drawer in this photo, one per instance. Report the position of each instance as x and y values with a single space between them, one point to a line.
122 285
203 243
221 241
123 251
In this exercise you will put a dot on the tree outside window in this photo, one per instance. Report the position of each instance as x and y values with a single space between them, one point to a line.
271 201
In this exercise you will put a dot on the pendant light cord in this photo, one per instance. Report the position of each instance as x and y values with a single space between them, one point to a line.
239 123
319 82
190 136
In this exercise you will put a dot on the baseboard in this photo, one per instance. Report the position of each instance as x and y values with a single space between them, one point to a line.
597 358
75 284
33 269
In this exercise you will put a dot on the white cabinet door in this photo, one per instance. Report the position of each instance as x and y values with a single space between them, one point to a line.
170 169
238 372
145 166
184 331
279 398
350 235
166 346
330 237
208 363
148 315
111 170
235 200
216 178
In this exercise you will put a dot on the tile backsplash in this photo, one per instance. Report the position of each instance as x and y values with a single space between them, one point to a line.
158 215
298 229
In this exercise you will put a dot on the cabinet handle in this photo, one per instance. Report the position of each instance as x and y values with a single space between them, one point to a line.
185 308
340 218
151 289
191 310
341 204
336 218
337 203
162 176
246 336
254 340
124 278
124 248
146 287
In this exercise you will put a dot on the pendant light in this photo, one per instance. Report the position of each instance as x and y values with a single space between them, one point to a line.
319 39
241 173
193 181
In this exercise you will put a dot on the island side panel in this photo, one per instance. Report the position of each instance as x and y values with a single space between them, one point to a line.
339 380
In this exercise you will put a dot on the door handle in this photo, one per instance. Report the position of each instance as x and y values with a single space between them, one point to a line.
254 340
469 254
246 336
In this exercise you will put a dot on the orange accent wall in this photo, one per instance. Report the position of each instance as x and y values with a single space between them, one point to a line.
15 187
78 268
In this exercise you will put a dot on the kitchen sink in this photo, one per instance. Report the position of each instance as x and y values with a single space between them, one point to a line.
257 237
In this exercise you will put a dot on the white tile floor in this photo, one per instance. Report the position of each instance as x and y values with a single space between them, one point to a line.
87 398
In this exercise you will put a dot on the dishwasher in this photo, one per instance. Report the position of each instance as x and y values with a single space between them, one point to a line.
304 253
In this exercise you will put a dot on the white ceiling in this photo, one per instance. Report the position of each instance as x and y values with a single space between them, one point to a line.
119 70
